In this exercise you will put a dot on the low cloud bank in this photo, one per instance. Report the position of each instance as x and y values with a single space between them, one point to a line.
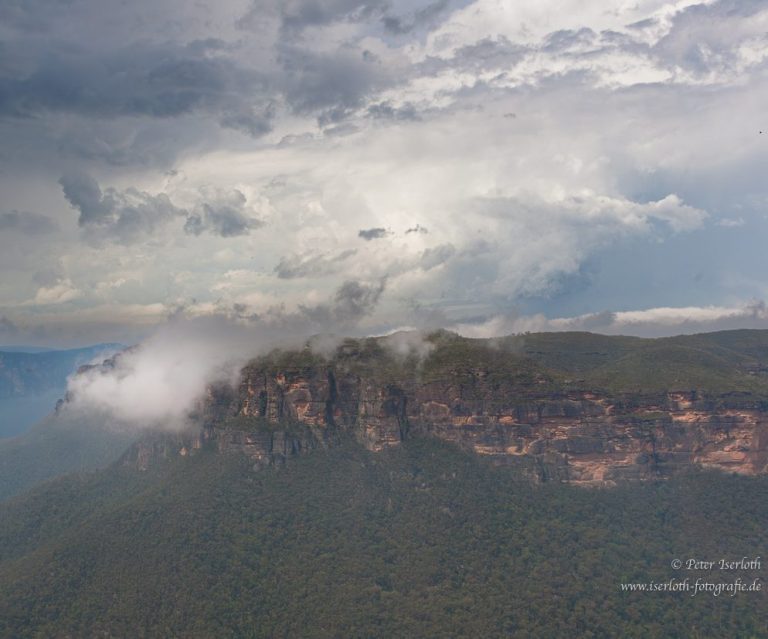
653 322
158 383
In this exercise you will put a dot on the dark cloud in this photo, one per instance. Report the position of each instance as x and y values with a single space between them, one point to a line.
417 229
436 256
297 15
352 302
130 216
426 17
194 225
119 216
302 13
118 82
158 81
385 111
253 122
299 266
226 216
489 53
372 234
27 223
331 83
84 193
334 116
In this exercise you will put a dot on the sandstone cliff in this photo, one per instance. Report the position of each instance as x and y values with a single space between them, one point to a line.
489 398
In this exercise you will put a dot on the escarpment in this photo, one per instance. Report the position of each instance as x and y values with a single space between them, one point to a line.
502 400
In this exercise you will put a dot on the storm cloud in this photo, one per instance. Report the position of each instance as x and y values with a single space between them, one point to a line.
420 18
156 81
121 216
132 215
372 234
570 163
225 214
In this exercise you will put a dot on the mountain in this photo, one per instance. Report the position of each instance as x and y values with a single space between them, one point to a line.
419 540
26 349
30 373
575 407
421 486
32 382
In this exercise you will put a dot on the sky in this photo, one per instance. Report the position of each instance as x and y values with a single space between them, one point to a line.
373 165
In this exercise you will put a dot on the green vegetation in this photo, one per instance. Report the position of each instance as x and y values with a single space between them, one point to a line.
504 366
55 446
715 364
280 359
419 541
734 362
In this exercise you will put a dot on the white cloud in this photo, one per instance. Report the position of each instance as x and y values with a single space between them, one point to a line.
61 292
652 322
526 137
158 383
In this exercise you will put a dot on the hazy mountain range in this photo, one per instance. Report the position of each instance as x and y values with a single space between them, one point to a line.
32 379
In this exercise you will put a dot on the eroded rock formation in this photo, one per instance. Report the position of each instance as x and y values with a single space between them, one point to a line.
584 437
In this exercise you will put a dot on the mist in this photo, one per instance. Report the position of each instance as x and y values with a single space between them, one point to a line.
156 384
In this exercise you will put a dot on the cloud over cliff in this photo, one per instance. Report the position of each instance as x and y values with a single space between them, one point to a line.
157 383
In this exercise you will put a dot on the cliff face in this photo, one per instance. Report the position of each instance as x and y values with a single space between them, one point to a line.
579 437
582 437
503 406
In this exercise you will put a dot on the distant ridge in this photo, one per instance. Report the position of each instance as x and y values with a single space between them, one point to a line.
36 350
26 349
31 382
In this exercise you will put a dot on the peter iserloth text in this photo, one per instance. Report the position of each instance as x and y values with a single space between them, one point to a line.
745 563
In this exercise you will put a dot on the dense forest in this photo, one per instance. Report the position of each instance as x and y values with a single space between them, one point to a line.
418 541
57 445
